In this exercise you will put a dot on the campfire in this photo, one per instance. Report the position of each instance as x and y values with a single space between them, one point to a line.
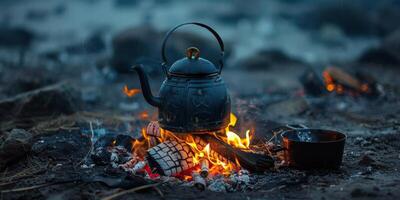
194 158
336 80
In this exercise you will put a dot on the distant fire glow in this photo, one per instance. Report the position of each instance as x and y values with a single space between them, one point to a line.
130 92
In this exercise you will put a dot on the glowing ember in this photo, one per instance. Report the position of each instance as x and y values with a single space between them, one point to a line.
144 115
130 92
340 82
201 153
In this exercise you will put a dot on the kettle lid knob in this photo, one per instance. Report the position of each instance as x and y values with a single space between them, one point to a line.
192 53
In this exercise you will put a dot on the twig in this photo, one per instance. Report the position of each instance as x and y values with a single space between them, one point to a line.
159 191
27 172
7 183
130 190
91 145
36 186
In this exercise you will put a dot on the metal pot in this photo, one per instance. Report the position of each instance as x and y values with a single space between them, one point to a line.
193 97
313 148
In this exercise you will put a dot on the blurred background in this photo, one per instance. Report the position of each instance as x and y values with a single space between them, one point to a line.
90 45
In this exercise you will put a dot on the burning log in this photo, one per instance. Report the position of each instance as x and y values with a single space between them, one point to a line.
199 181
250 161
334 79
202 143
204 168
335 74
153 133
170 157
220 151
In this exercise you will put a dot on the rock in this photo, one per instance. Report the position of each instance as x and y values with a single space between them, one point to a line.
63 146
379 56
358 192
48 101
388 53
93 44
392 43
125 141
14 145
289 107
265 59
313 83
17 81
132 45
16 37
366 160
143 45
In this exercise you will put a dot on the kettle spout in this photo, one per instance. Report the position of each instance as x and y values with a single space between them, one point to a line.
144 82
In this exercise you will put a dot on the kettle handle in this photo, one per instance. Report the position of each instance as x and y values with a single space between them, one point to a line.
169 33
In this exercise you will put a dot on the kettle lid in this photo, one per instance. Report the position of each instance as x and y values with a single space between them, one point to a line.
193 65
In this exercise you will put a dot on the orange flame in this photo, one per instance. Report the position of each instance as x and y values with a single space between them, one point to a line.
130 92
333 85
144 115
233 139
201 153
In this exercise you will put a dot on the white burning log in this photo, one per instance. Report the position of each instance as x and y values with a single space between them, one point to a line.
204 167
170 157
199 181
153 132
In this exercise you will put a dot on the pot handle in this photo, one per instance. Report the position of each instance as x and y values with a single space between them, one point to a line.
289 127
169 33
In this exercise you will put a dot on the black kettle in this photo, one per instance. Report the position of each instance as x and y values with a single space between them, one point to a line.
193 98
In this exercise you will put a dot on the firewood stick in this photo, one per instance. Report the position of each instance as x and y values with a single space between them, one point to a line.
204 168
199 181
344 78
118 194
248 160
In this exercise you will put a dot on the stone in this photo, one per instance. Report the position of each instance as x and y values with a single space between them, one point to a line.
359 192
379 56
19 80
14 145
288 107
266 59
91 45
366 160
63 146
142 45
392 43
388 53
313 83
17 37
53 100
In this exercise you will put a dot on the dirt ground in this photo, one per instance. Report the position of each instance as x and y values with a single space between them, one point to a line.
64 64
369 169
